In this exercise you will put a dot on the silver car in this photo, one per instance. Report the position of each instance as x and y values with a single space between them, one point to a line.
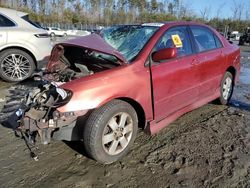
24 45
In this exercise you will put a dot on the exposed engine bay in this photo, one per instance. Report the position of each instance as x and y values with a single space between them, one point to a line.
72 62
34 111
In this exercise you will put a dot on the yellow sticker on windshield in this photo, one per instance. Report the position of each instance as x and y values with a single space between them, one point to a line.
177 41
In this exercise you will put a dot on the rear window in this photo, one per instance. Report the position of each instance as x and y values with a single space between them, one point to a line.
204 38
218 42
26 18
5 22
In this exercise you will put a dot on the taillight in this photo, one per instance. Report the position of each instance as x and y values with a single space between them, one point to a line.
42 35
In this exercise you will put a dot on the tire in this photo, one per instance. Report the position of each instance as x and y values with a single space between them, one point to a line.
52 35
11 108
241 41
65 35
226 88
103 137
15 100
16 65
5 116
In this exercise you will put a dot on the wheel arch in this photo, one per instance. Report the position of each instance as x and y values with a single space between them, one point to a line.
23 49
139 111
232 70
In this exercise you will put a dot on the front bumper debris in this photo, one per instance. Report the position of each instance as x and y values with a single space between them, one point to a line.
35 113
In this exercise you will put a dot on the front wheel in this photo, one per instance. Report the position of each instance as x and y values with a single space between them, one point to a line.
110 131
226 88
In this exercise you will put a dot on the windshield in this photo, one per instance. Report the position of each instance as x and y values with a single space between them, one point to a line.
129 39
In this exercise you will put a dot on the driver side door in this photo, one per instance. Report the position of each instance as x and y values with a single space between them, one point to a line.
174 81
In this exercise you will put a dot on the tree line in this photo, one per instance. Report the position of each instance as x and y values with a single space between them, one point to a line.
110 12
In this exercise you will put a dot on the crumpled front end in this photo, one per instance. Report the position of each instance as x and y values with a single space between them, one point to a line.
37 112
71 62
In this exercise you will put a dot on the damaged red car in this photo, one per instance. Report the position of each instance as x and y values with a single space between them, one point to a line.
101 88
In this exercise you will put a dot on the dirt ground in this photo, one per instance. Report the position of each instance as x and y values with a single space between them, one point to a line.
209 147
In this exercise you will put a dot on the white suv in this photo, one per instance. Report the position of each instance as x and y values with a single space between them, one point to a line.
24 45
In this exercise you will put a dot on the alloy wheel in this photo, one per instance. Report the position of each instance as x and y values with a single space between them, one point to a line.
117 133
227 88
16 66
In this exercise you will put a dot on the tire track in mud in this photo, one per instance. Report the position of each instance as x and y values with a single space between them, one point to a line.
205 119
183 163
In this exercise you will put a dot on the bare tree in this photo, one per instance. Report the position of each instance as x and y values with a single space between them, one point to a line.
237 8
247 12
205 12
219 10
184 10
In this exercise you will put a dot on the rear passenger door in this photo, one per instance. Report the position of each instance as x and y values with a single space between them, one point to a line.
5 24
210 60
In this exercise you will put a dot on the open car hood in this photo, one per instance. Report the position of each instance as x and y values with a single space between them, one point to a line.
96 43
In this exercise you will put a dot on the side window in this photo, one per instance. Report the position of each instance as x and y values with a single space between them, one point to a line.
5 22
168 41
218 42
204 38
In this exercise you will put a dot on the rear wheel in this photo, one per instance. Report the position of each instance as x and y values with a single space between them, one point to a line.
110 131
226 88
241 41
16 65
52 35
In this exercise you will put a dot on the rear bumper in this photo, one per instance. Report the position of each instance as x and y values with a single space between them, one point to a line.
41 65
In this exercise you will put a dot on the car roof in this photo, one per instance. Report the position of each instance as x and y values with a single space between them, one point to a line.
12 13
16 17
169 23
186 23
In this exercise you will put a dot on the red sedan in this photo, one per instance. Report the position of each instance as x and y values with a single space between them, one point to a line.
127 77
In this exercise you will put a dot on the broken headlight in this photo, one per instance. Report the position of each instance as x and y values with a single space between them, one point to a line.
49 95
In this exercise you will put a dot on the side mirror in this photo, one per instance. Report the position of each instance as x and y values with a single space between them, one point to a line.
164 54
